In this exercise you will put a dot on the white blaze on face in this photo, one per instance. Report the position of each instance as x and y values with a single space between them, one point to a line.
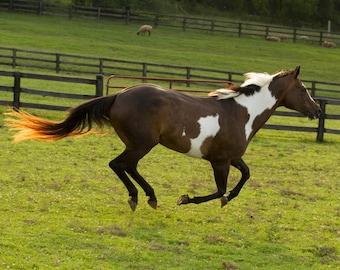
256 104
209 127
308 92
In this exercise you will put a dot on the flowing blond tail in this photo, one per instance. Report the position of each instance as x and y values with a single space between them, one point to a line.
78 123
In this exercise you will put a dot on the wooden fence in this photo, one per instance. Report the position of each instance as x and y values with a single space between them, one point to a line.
180 22
67 63
17 94
15 89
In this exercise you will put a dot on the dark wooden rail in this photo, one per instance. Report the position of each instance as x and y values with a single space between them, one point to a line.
77 64
17 90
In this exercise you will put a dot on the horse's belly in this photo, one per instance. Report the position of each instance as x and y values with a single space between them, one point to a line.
194 142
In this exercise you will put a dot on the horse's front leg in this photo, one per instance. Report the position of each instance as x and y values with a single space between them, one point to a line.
243 168
221 171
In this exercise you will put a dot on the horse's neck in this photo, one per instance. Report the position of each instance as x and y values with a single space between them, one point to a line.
260 107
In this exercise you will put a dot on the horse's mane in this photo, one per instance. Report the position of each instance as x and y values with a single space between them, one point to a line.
259 79
253 83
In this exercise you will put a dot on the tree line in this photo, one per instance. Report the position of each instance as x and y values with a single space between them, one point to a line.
297 13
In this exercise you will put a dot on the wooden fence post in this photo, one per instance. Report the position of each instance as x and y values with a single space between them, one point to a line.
101 66
57 63
70 15
294 35
10 6
14 58
212 26
127 20
99 85
239 29
40 10
313 89
321 124
184 23
230 76
144 70
156 20
321 38
98 13
16 90
188 75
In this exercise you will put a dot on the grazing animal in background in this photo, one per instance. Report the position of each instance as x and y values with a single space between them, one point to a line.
305 38
144 28
284 36
273 38
144 115
329 44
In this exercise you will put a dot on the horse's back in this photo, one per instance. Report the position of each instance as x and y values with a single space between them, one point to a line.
150 97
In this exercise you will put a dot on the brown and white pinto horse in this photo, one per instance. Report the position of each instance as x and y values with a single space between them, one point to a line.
217 129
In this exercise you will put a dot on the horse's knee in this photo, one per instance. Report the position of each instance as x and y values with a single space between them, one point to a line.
121 163
117 166
246 173
243 168
113 165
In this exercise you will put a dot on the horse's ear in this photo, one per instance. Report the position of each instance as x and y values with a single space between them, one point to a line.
296 72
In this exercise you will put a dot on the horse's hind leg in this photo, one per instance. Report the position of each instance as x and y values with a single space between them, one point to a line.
119 169
127 163
243 168
149 191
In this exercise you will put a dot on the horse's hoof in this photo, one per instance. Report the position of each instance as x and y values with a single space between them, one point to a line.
184 199
224 200
153 204
132 203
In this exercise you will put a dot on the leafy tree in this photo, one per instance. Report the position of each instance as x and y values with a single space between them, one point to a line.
288 12
325 11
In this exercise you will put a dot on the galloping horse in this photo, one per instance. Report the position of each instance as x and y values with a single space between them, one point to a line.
217 128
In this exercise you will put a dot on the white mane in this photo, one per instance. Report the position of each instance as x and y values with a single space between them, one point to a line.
260 79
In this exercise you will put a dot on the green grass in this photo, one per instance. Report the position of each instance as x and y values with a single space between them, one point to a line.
166 45
62 207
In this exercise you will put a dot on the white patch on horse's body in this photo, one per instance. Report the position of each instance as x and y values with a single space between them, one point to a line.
209 127
183 132
260 101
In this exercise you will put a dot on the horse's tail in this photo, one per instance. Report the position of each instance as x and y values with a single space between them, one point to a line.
79 121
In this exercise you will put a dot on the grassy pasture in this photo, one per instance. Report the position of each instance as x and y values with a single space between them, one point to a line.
61 206
166 45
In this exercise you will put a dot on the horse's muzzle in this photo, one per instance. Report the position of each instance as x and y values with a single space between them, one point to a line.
314 114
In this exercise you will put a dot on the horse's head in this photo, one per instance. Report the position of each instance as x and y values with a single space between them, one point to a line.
292 94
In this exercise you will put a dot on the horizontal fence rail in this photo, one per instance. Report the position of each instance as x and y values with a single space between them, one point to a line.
171 81
17 90
67 63
181 22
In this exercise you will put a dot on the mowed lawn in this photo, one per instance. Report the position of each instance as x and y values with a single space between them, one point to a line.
62 207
